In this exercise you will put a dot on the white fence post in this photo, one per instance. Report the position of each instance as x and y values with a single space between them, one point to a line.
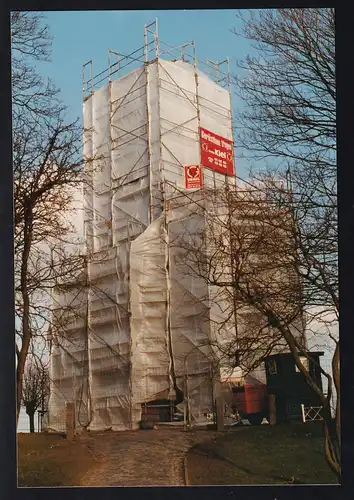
303 413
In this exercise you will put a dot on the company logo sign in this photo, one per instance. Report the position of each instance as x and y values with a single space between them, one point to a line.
193 176
217 152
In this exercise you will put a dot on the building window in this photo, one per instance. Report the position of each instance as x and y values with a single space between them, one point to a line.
272 367
304 361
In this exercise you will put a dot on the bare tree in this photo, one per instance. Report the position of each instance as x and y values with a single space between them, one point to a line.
35 389
289 86
288 130
248 253
289 124
40 198
46 164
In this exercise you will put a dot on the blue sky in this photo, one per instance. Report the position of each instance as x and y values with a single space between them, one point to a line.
83 35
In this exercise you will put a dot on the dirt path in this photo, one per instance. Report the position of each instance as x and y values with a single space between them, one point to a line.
140 458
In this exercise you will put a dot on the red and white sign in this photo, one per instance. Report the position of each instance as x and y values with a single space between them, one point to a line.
193 176
217 153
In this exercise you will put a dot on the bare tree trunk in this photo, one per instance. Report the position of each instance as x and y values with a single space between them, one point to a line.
31 420
19 375
332 446
26 329
21 363
336 379
331 424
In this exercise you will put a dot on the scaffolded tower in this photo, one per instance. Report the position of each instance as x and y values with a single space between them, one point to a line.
139 325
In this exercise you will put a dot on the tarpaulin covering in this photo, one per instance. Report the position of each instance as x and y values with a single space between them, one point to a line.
143 323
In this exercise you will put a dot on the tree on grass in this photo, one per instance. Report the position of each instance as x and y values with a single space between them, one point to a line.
269 253
47 166
288 131
257 266
35 389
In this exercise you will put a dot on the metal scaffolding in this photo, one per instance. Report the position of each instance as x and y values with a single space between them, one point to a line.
138 135
153 49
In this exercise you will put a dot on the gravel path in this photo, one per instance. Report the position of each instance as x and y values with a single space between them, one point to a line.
140 458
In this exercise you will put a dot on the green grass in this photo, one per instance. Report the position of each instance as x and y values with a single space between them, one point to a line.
51 460
283 454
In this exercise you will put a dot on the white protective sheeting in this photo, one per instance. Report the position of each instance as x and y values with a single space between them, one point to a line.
109 340
69 358
189 99
170 327
190 311
146 322
149 329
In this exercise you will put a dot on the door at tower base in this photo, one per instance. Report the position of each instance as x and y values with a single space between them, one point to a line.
193 176
217 153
